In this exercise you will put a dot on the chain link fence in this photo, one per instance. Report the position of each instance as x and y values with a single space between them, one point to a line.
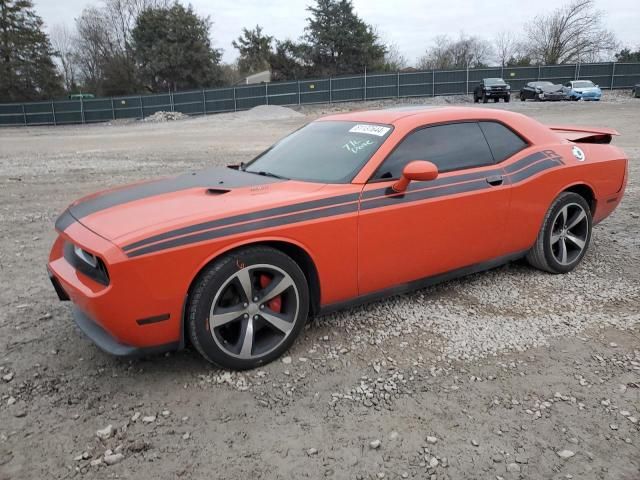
324 90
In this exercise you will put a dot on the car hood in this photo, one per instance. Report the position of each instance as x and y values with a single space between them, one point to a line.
128 214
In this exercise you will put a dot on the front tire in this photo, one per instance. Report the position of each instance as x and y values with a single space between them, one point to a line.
247 308
484 98
507 99
565 235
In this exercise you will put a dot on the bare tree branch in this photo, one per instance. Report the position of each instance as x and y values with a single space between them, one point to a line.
62 42
572 33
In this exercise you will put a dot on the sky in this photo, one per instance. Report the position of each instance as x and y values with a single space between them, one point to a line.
409 24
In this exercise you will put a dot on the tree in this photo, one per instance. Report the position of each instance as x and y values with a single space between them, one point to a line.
27 70
506 46
63 45
103 46
627 55
173 50
339 42
255 50
572 33
229 73
289 61
393 59
93 48
461 53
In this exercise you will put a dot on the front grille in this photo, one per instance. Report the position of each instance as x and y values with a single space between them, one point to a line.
97 272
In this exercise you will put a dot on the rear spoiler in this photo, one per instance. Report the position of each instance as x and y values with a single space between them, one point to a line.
584 134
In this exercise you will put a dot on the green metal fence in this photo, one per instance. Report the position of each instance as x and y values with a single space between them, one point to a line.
323 90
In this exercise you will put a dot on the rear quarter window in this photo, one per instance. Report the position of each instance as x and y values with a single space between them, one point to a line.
503 141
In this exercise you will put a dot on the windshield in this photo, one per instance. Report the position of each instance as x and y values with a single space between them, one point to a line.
494 81
323 152
584 84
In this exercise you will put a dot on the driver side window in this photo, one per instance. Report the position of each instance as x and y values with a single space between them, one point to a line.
454 146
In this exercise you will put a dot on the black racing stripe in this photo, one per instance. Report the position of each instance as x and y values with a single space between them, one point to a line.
248 227
454 185
64 221
216 177
465 177
533 170
425 194
246 217
525 162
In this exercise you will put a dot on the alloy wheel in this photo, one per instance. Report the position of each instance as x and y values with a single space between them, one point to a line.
254 311
569 233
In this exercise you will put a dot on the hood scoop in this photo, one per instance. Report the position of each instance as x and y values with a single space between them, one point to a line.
216 191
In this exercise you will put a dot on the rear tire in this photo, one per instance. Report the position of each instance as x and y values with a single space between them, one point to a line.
475 98
565 235
522 99
247 308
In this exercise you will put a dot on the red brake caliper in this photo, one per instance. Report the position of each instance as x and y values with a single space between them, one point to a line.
274 304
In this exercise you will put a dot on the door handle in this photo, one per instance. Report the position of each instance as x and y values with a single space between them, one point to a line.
495 180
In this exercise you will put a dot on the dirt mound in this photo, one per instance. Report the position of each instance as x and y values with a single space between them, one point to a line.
270 112
161 117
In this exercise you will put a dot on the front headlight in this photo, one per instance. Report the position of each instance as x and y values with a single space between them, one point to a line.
85 256
508 87
87 263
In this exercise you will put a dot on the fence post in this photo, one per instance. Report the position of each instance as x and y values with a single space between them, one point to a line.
141 109
578 71
365 84
330 92
171 99
575 74
467 79
538 72
266 93
113 110
502 72
82 109
53 112
398 84
235 100
24 115
613 75
299 99
433 83
204 103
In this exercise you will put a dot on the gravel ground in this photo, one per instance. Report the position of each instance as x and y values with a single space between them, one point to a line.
507 374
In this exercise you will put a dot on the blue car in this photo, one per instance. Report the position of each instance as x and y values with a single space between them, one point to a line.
582 89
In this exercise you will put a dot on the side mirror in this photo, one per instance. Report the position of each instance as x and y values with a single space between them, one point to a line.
418 170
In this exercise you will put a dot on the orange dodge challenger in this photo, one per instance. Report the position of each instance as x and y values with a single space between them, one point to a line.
345 210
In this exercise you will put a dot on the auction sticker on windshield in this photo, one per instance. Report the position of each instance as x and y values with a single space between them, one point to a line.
377 130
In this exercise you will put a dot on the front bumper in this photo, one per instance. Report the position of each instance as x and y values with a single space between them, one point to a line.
586 96
132 315
111 345
497 93
551 97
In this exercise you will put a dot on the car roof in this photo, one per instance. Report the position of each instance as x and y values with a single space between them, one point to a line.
422 114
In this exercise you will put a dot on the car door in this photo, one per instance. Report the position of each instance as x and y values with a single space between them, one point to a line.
529 91
452 222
